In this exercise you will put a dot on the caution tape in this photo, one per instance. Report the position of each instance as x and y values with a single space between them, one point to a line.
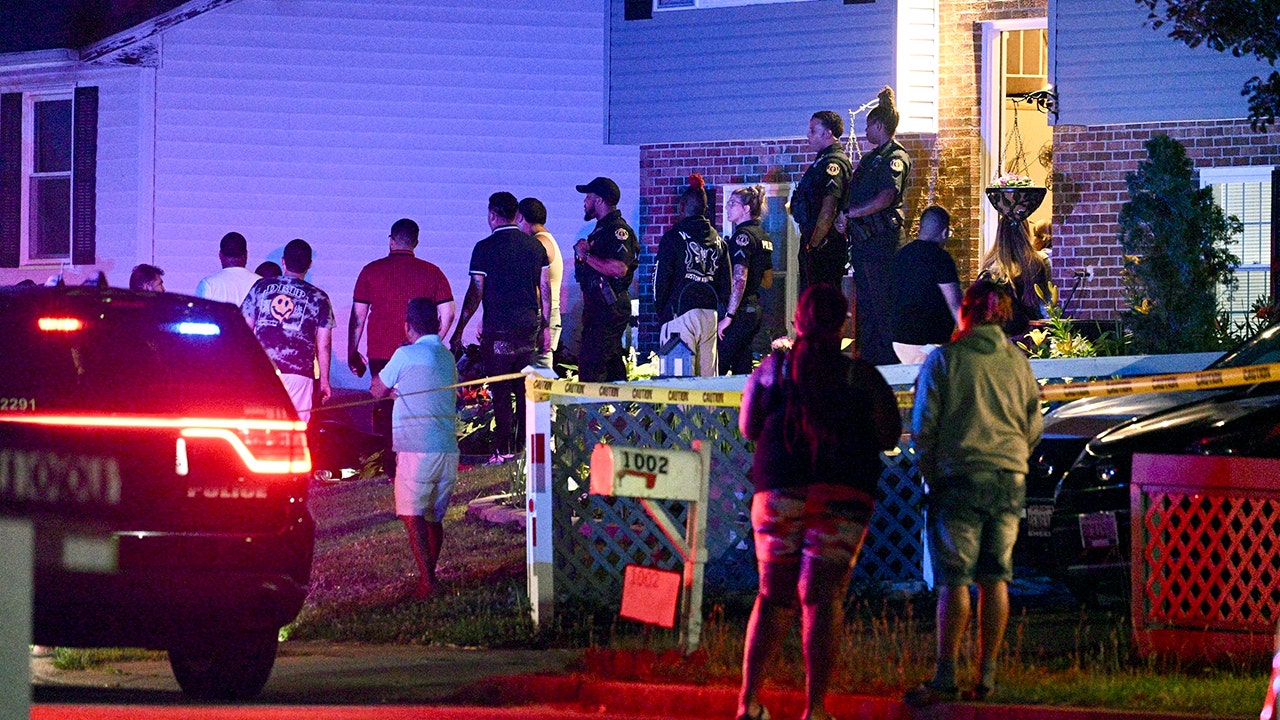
455 386
1202 380
636 393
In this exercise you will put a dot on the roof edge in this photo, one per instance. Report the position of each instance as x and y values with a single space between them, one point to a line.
120 48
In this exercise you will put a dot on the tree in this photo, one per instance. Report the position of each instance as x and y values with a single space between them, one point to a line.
1243 27
1176 242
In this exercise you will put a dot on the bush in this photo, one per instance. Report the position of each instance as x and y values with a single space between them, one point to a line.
1176 243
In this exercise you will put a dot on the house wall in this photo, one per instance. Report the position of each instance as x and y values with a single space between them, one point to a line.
745 72
1109 66
1090 164
123 219
330 120
946 167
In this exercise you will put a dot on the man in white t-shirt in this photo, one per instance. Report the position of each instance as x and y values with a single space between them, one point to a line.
232 282
532 218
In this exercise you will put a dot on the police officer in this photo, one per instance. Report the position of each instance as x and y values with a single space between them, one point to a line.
604 263
876 217
822 193
751 251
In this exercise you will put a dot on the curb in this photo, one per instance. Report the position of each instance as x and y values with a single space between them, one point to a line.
690 701
488 509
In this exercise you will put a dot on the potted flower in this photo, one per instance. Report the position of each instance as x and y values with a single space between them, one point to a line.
1014 197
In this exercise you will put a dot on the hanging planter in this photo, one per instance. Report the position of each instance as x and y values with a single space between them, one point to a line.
1014 197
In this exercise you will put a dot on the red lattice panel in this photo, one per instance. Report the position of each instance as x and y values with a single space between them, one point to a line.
1206 571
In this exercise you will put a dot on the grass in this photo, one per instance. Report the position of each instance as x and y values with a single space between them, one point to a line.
363 575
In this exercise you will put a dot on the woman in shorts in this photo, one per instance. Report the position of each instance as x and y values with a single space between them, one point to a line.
820 421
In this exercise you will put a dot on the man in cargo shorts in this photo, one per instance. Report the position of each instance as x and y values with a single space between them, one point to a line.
424 435
975 420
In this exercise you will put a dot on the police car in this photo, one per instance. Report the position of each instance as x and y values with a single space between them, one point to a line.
165 470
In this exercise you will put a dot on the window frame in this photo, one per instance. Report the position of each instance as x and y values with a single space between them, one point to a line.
26 227
1211 176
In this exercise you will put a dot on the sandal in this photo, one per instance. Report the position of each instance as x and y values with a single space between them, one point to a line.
926 694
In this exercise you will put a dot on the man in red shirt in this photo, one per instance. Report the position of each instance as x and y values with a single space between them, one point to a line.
381 298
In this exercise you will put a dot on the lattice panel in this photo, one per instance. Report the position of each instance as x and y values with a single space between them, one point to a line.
595 538
1210 561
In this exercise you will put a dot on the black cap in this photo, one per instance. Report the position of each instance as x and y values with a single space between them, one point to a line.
605 188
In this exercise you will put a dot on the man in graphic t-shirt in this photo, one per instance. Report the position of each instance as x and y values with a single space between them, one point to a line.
293 320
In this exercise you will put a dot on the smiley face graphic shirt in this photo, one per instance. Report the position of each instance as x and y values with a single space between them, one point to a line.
285 314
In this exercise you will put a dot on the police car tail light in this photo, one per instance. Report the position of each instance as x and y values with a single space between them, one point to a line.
269 448
60 324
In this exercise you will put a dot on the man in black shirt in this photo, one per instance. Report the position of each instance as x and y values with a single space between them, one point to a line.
604 264
926 290
510 274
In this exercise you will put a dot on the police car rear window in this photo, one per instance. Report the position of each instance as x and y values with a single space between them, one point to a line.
135 360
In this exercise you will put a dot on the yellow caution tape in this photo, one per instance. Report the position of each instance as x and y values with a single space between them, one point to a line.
1202 380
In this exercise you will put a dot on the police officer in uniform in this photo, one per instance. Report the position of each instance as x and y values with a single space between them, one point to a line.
819 198
751 252
876 218
604 263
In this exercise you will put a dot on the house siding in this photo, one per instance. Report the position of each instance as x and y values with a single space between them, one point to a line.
1110 68
745 72
330 120
119 223
1090 165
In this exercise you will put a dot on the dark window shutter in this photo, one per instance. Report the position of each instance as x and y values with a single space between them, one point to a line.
84 179
637 10
10 179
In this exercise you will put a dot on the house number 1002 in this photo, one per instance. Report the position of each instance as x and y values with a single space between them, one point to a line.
644 463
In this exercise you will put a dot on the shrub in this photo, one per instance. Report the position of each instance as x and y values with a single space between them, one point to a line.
1176 243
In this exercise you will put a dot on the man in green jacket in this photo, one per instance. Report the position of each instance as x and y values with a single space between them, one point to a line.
976 419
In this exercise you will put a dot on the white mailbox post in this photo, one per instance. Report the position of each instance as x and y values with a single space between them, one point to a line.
650 474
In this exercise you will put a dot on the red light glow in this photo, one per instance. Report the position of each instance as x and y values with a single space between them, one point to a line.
60 324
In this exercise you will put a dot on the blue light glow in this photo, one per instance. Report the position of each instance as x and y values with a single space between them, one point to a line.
197 328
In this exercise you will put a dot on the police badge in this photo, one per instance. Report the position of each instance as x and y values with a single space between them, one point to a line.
620 233
897 165
833 169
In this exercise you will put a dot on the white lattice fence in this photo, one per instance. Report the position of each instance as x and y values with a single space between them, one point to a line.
595 537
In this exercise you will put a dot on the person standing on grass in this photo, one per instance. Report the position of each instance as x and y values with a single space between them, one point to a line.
975 420
424 435
819 421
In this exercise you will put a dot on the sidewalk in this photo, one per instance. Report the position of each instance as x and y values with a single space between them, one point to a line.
688 701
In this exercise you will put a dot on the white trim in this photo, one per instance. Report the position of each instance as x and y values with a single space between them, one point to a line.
1246 174
989 106
917 61
706 4
29 100
38 60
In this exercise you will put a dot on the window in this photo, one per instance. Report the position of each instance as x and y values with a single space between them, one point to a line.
1246 193
778 303
48 168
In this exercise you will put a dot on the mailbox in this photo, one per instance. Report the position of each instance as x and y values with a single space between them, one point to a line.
651 474
646 473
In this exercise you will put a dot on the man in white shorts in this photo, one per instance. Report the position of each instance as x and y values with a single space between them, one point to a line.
424 432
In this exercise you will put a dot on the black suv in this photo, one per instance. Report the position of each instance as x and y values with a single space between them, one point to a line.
149 437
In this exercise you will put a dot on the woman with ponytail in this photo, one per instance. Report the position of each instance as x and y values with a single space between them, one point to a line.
751 253
820 421
876 217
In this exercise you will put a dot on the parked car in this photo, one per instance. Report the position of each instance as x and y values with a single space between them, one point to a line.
1090 526
1070 427
163 416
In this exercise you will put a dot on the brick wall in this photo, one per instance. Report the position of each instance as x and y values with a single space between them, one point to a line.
946 168
1089 168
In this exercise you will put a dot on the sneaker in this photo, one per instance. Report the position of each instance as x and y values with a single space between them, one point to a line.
498 458
926 694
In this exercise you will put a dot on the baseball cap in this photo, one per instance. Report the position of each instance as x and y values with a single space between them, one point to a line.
605 188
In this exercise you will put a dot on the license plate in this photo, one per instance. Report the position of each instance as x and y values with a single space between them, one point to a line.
1098 530
1038 517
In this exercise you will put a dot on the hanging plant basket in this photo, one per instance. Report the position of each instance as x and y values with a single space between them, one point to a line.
1015 204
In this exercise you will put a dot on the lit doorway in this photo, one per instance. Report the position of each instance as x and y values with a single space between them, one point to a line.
778 302
1016 136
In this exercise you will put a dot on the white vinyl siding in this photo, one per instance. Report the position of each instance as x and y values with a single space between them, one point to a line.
742 73
1110 68
330 120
